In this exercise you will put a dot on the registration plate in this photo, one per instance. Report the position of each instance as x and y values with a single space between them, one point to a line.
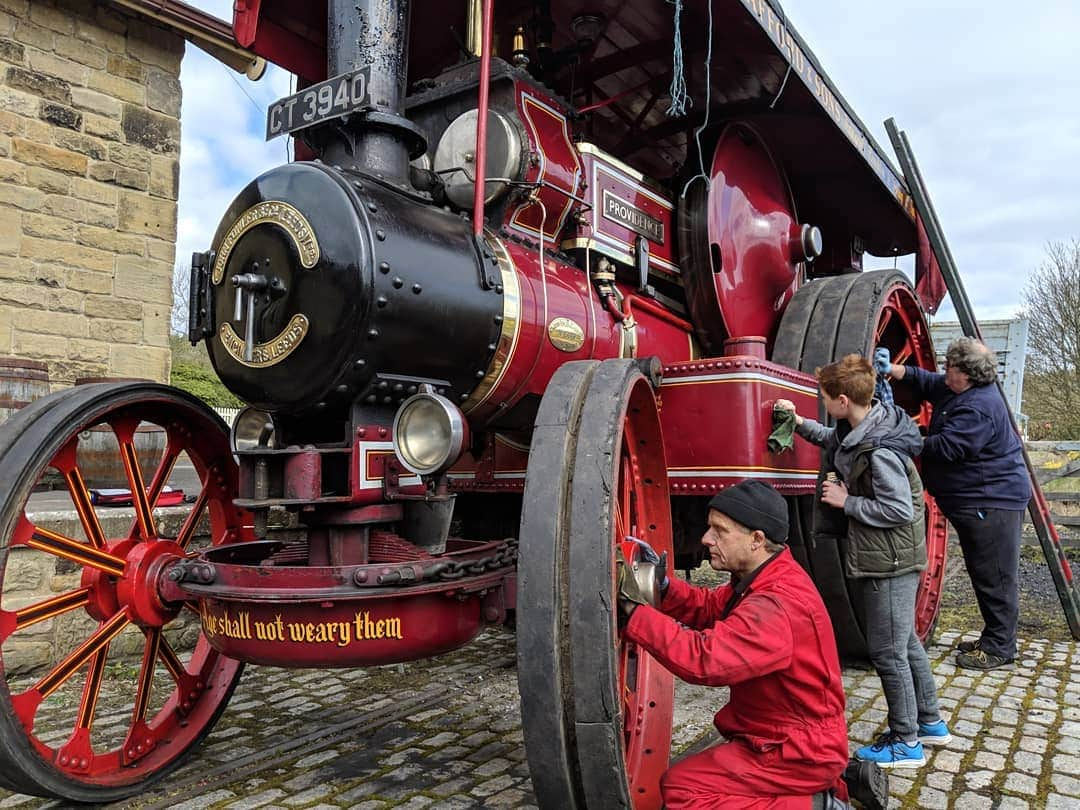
332 98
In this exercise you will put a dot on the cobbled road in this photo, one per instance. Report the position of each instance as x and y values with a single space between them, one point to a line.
446 733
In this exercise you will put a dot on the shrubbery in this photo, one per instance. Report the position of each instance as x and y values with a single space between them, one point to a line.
201 381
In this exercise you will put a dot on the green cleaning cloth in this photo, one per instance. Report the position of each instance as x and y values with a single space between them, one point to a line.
783 430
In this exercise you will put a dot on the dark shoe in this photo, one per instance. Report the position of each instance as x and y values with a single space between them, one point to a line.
867 784
967 646
982 660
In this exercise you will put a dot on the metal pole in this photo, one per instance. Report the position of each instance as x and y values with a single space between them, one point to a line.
1067 587
374 33
480 190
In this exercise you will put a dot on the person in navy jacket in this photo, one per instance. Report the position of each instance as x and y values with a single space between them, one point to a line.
973 464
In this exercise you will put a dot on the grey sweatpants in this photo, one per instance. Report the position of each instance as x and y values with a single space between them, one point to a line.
897 654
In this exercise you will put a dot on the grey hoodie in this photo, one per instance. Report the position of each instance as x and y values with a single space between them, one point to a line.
894 435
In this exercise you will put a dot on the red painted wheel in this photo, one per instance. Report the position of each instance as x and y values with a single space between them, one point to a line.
129 684
596 709
827 319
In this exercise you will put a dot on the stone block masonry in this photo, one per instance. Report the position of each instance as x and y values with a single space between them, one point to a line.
89 161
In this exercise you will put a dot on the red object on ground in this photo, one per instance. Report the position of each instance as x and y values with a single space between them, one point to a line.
122 497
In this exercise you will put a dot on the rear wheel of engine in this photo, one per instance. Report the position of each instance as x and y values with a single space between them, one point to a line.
827 319
596 710
128 686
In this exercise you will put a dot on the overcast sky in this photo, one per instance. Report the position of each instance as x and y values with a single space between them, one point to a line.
987 91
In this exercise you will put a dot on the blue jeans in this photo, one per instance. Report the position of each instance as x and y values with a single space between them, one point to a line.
888 606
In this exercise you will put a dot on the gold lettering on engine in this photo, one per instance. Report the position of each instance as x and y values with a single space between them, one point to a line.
272 212
272 351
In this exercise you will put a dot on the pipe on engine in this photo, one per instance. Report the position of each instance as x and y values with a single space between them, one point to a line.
373 33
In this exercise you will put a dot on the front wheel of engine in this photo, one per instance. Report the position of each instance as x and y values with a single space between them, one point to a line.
130 684
596 709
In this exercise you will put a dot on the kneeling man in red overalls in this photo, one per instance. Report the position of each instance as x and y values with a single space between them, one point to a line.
768 637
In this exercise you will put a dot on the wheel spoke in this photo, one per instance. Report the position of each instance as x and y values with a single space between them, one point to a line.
11 621
80 496
44 540
96 642
886 319
163 471
187 531
146 675
188 686
143 515
157 484
92 688
66 462
172 662
77 755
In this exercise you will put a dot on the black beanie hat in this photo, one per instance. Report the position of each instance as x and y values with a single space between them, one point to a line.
756 506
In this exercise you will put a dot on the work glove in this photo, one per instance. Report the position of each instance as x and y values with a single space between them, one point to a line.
627 593
658 561
882 360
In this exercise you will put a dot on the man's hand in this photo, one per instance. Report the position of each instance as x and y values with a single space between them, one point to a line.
882 361
627 593
834 494
658 561
787 405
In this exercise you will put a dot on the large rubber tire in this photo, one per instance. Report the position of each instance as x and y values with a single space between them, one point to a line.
596 710
112 581
825 320
545 677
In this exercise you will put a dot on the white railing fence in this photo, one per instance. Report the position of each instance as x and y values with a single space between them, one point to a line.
228 414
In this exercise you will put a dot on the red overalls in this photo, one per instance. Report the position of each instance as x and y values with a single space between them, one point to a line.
785 720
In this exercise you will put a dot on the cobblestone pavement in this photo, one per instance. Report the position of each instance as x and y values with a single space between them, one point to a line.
446 733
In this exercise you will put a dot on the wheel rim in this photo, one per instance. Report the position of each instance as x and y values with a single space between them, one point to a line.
645 686
827 319
623 698
51 742
596 710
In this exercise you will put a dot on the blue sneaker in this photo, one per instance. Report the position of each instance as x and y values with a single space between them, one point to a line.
934 733
892 752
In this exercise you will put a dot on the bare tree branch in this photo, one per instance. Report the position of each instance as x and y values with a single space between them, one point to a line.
181 283
1052 382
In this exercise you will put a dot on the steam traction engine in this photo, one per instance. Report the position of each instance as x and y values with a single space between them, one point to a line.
470 392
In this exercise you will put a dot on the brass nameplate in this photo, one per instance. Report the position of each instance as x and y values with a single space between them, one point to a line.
270 212
265 354
630 216
566 335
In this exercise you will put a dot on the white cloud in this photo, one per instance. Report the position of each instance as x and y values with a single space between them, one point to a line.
985 92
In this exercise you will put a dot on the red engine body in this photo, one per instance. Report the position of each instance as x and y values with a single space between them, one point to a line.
577 255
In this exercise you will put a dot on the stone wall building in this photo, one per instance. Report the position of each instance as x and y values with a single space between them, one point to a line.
89 174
